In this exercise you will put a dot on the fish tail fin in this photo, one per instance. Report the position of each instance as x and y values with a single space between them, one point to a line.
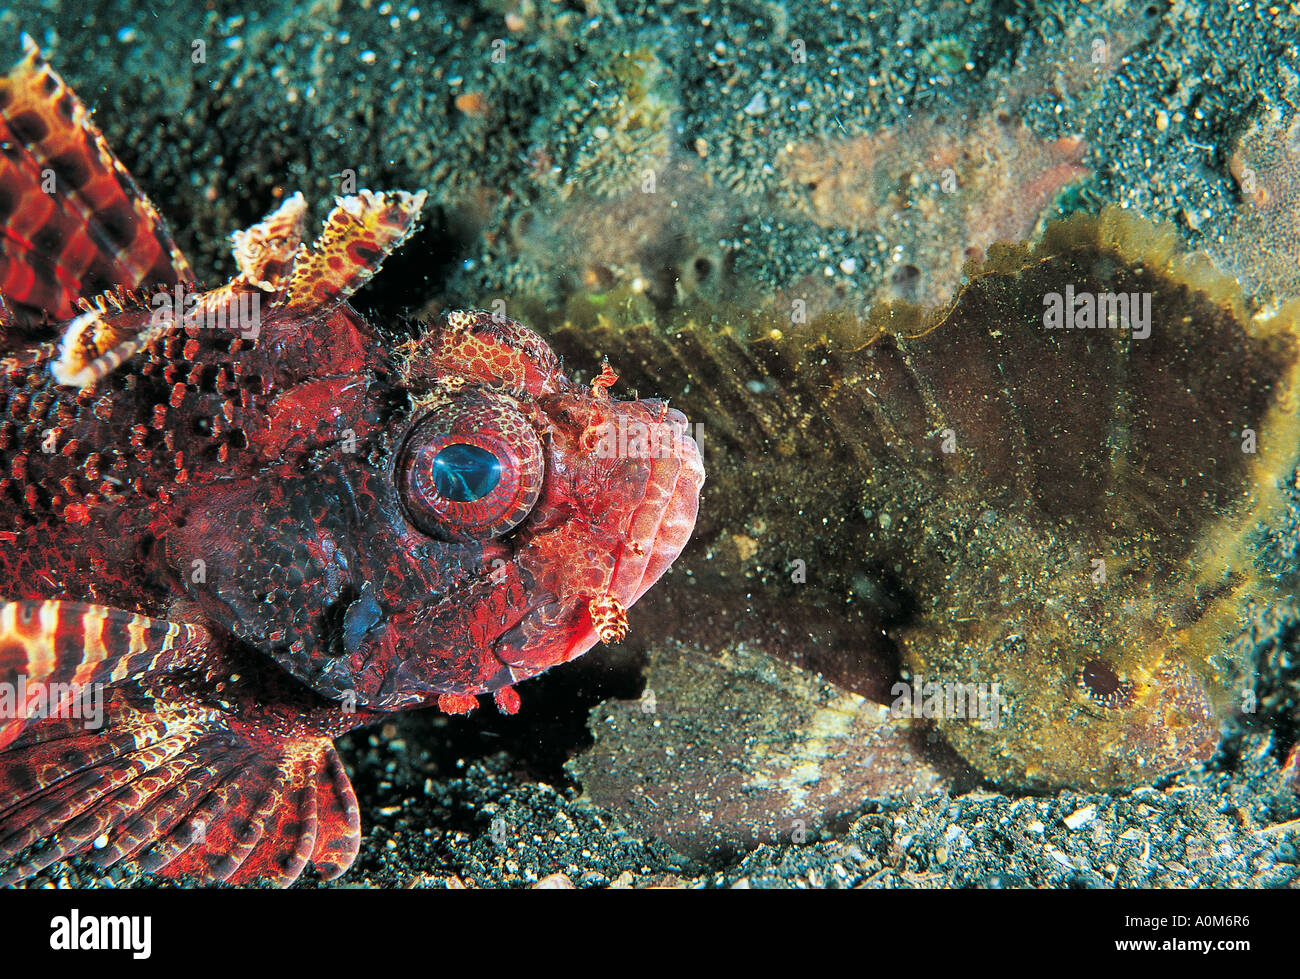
73 224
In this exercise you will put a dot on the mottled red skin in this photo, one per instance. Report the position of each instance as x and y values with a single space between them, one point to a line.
272 465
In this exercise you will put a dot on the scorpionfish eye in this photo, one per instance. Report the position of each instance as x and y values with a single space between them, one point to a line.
470 470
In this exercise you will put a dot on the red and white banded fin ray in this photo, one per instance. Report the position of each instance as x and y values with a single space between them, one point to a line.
180 783
68 646
62 813
73 223
267 821
169 777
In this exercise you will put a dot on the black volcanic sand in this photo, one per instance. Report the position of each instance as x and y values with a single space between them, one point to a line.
289 97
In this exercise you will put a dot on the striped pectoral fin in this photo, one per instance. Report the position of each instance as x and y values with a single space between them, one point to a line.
73 224
292 806
182 784
54 654
158 764
359 234
65 782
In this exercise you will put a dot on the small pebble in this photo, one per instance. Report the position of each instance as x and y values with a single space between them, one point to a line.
1080 817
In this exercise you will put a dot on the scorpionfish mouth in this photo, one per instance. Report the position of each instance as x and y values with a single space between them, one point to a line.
655 441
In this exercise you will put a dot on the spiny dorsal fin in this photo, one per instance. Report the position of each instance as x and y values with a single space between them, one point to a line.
113 327
72 221
265 253
359 234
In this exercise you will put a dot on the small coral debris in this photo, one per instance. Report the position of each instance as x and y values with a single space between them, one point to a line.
473 104
1066 58
946 55
624 133
555 882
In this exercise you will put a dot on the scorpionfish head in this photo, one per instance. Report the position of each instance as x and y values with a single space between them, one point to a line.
524 514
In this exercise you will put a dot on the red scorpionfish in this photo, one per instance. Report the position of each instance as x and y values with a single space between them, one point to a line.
240 526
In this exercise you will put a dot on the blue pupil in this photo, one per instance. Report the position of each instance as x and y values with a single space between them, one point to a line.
465 473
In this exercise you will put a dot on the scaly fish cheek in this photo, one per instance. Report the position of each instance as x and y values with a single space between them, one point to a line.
570 567
395 659
583 520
